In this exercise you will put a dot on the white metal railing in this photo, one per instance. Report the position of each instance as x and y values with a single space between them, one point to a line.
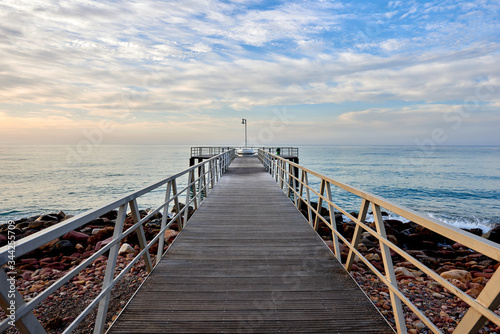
201 179
282 151
285 151
298 188
208 151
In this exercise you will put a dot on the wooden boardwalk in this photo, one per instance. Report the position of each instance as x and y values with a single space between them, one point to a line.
248 262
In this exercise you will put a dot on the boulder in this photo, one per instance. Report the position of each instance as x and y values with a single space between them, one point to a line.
461 275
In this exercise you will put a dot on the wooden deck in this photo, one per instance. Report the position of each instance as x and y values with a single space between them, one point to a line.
248 262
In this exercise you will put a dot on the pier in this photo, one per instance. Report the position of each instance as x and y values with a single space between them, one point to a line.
248 262
248 258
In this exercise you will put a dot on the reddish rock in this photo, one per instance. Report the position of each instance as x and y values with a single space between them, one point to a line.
377 266
101 258
76 237
47 259
103 243
29 261
55 265
485 275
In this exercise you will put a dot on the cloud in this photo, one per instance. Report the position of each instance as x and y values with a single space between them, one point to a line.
159 60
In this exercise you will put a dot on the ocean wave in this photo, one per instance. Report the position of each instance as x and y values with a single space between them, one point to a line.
484 225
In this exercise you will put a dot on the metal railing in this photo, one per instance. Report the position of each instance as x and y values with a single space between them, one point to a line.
298 188
208 151
283 151
201 179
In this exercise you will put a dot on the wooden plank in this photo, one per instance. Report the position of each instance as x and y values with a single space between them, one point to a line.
249 262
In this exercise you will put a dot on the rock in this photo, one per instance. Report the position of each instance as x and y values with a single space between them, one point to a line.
3 239
36 287
437 295
181 206
377 266
392 238
462 275
458 284
55 265
36 225
76 237
62 246
493 234
362 248
419 325
475 231
402 271
96 230
473 293
126 249
170 235
29 261
485 275
103 243
372 257
48 218
110 215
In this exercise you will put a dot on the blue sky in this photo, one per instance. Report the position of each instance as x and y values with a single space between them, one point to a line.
300 72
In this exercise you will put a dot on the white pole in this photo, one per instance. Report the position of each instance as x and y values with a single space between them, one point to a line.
244 121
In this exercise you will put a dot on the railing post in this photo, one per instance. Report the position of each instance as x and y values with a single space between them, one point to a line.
385 251
203 180
301 188
290 180
161 240
308 196
320 204
102 311
333 221
136 216
188 199
357 234
280 174
489 297
212 175
28 324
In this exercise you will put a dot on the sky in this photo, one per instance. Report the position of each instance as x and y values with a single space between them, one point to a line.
313 72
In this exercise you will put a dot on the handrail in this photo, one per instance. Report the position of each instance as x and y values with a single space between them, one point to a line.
201 179
208 151
481 309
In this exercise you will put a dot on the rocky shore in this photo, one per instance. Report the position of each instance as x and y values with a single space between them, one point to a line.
45 265
463 267
466 269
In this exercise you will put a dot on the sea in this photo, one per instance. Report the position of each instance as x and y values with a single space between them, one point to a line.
458 185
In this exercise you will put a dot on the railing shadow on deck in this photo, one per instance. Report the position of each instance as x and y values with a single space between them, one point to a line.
299 190
200 180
